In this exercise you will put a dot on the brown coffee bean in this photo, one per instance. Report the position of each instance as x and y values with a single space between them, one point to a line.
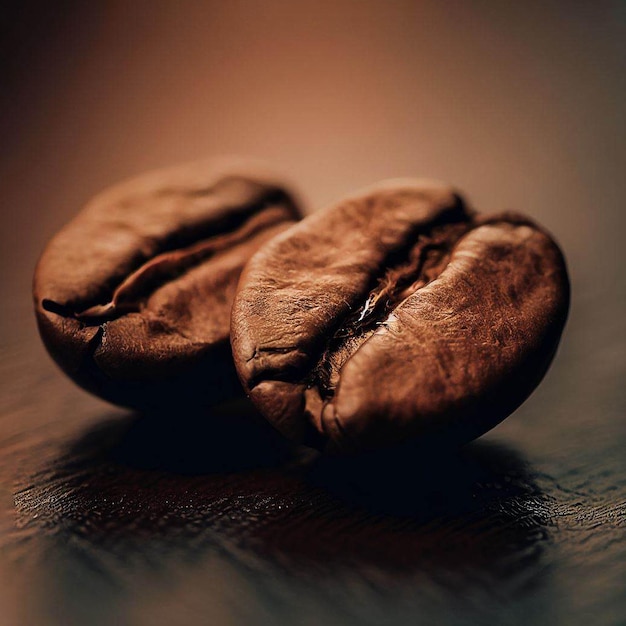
133 296
398 314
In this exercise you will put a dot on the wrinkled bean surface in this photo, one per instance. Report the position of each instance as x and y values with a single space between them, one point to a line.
133 296
398 314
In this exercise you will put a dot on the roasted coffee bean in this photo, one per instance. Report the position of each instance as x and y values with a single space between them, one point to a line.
133 296
398 315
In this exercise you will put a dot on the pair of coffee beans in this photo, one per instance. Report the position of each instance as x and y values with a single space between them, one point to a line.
398 314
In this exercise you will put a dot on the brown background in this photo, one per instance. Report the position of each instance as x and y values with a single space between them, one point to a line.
518 104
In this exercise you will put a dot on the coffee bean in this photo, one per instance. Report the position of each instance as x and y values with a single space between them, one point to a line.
398 315
133 296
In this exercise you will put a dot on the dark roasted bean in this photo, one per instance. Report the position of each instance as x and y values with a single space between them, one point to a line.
133 296
398 314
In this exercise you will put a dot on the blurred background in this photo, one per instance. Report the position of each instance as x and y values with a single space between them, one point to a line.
518 104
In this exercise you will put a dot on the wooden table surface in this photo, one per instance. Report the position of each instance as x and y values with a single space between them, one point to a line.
112 518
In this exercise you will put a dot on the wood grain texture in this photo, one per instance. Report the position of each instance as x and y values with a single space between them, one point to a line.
176 519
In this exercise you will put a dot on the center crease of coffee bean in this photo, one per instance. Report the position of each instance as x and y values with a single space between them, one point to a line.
168 265
406 271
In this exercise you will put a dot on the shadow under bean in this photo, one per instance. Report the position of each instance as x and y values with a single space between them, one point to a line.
181 485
